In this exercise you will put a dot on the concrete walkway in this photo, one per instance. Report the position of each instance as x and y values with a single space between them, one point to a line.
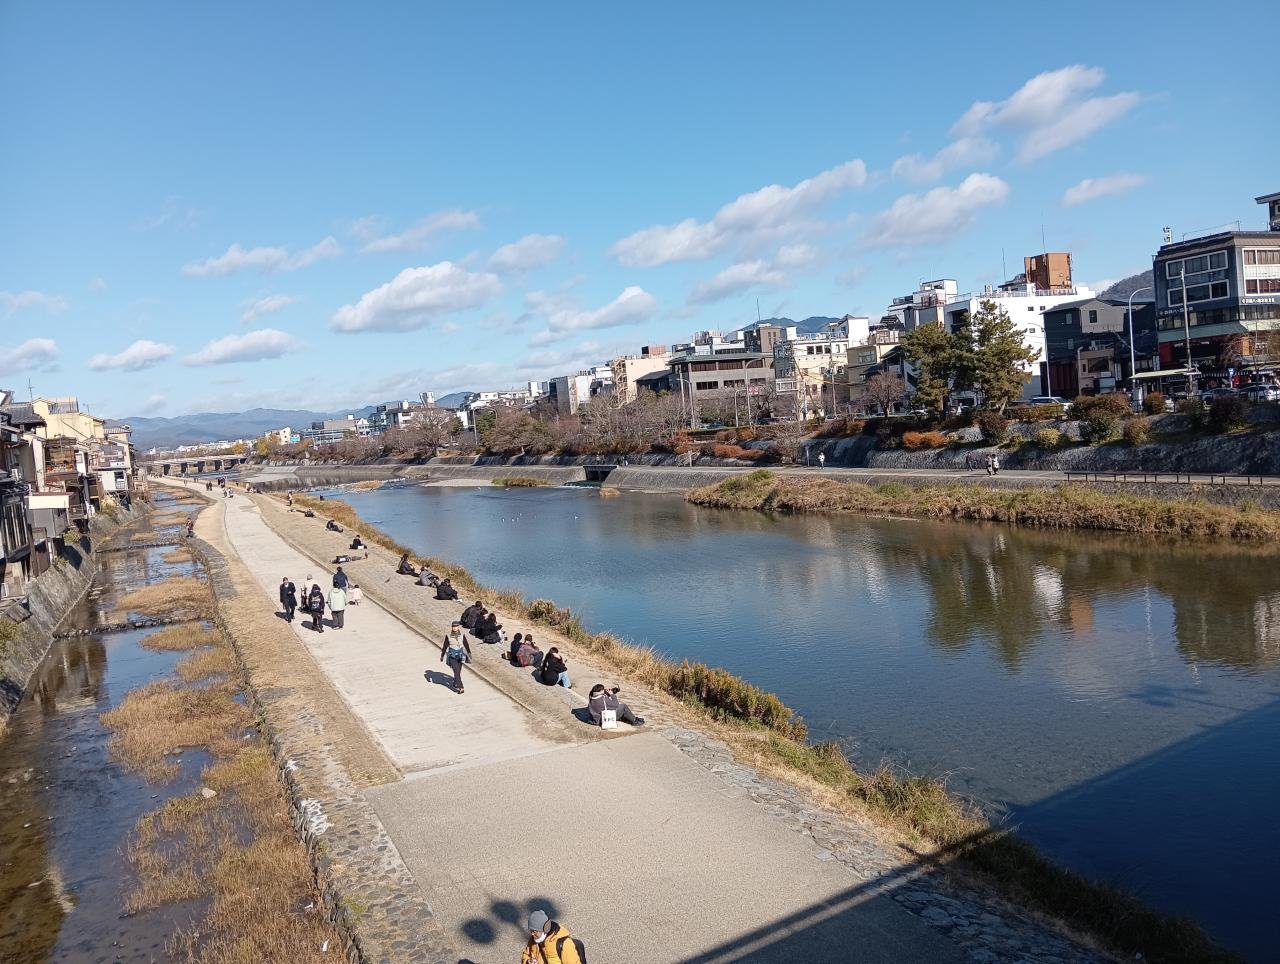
378 666
643 851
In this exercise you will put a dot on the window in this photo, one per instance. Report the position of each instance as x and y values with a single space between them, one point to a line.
1262 286
758 381
732 383
1217 261
1031 307
707 386
703 366
1202 292
1262 256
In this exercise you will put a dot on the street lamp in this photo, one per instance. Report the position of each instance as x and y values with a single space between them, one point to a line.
1133 363
1186 327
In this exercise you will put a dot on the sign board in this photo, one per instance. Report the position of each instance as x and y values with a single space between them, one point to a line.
785 384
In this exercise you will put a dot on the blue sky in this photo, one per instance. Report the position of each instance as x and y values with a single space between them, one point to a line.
212 207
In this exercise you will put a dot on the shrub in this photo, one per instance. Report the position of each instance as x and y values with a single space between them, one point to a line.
1153 404
1036 413
1048 438
841 428
1113 403
884 437
923 440
1099 426
994 426
1137 431
953 422
722 451
1195 411
1226 413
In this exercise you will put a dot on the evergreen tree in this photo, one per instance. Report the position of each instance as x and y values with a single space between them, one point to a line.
934 353
995 352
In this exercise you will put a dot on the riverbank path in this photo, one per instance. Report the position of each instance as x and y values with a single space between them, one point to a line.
640 849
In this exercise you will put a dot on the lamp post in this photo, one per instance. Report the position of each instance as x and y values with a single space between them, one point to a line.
1186 327
1133 363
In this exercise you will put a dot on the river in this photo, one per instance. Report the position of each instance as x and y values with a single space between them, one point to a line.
1113 698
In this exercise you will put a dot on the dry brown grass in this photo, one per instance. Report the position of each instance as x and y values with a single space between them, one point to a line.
157 721
218 661
163 520
175 556
180 595
195 847
609 492
181 638
368 485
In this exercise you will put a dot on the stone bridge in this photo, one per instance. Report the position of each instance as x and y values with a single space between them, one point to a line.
194 465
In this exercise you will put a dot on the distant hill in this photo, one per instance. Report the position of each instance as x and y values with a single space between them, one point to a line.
453 399
1125 287
214 426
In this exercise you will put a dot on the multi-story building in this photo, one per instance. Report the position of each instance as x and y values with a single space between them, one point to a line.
1231 281
1087 346
809 368
869 359
723 376
333 430
1044 284
568 392
629 369
389 416
924 305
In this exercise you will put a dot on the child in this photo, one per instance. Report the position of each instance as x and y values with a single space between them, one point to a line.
354 595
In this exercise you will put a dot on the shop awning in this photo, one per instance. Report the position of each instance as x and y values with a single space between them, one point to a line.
1167 373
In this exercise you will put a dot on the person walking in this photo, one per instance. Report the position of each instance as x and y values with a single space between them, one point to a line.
551 943
822 460
288 598
315 606
338 606
456 650
340 580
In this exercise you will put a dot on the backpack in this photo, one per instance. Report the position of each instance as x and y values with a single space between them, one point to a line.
578 945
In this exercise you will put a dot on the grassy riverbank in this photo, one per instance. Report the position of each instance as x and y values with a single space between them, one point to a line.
1062 507
519 482
767 734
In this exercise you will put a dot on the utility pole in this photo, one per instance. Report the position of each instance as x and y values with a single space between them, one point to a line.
1133 361
1186 329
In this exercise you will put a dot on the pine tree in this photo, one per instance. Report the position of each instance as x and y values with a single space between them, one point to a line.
934 353
996 351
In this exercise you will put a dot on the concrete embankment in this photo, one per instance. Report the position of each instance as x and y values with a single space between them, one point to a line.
50 598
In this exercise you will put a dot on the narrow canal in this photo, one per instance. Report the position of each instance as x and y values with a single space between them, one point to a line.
1115 699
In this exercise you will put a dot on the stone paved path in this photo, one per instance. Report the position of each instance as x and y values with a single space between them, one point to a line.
653 846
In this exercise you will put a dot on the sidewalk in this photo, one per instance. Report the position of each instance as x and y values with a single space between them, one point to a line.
650 844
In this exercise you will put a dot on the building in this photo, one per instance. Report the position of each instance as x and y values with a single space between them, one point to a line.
629 369
764 337
869 358
809 368
389 416
1087 346
727 376
568 392
1026 300
1231 281
923 306
333 430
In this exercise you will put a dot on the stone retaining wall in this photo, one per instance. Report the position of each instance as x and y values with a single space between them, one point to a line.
51 597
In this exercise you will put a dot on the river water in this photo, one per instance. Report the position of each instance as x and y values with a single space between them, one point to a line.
1115 699
66 807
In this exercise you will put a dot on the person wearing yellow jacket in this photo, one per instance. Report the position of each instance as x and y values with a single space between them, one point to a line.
549 943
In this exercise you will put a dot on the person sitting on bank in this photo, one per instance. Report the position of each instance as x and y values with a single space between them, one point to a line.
486 624
445 590
341 558
529 654
428 578
471 615
405 568
493 633
516 643
333 526
554 671
308 514
602 699
358 543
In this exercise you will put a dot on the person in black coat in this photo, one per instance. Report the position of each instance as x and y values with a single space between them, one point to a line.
315 605
288 598
485 625
445 590
554 671
493 631
471 615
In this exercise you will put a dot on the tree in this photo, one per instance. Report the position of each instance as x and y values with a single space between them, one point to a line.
995 352
882 390
435 427
934 352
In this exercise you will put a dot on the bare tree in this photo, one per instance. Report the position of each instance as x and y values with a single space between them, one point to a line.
882 390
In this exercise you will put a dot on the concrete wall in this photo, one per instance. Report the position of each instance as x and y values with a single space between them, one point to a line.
51 597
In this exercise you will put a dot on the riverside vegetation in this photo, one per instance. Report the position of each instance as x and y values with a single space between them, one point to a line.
765 733
1062 507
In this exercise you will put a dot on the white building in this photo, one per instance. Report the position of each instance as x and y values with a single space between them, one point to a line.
571 391
924 305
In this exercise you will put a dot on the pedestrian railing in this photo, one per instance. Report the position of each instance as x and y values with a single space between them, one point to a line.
1183 478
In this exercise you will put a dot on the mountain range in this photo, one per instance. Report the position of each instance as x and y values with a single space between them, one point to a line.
216 426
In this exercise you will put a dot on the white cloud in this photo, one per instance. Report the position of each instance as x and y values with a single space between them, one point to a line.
257 307
153 404
770 211
531 251
631 307
141 354
416 297
1051 110
367 228
251 346
453 219
12 301
238 258
1092 188
963 152
98 284
935 216
173 213
33 354
736 279
799 255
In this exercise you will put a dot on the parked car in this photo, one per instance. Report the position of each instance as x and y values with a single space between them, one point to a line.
1260 393
1212 394
1047 400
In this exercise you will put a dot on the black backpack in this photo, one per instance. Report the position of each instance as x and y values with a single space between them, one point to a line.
581 948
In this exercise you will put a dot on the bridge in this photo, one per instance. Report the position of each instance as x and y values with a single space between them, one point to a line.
194 465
